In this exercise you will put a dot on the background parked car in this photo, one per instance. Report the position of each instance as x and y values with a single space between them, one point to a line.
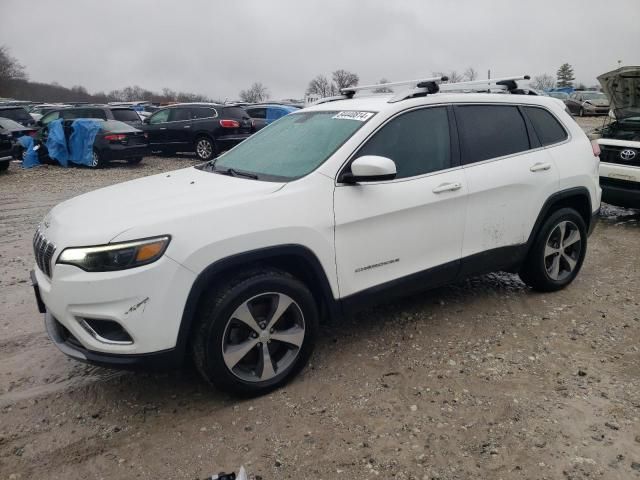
100 112
204 128
6 151
263 115
14 130
17 113
587 103
114 141
559 95
38 111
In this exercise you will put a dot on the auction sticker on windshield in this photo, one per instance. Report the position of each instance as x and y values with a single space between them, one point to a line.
359 116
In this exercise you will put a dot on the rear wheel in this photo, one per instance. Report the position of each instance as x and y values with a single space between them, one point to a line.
256 332
96 160
557 252
205 148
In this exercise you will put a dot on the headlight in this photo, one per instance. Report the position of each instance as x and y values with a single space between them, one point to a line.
116 256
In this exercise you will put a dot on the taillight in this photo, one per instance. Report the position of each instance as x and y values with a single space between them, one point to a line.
596 148
115 137
146 135
229 124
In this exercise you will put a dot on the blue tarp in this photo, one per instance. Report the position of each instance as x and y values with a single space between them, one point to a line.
81 141
30 158
57 143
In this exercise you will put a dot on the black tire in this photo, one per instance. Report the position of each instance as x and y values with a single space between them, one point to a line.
205 148
581 112
134 160
4 166
97 161
215 325
538 269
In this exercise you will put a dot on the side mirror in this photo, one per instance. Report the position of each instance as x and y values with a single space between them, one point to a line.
370 168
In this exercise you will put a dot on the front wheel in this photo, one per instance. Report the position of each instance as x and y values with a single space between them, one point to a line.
205 149
557 252
255 333
581 113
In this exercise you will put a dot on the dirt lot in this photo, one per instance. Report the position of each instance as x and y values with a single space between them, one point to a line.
482 379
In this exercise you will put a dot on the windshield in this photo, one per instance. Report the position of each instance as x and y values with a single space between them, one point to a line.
594 96
293 146
17 113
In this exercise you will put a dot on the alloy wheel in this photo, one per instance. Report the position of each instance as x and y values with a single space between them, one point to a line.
263 337
204 149
95 159
562 250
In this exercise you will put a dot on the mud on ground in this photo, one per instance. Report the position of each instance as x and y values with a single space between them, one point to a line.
481 379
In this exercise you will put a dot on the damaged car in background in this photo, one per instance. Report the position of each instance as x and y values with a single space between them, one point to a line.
583 103
619 140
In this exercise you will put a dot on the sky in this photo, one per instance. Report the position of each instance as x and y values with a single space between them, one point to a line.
218 48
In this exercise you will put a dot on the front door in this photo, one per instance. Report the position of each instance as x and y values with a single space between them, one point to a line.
388 233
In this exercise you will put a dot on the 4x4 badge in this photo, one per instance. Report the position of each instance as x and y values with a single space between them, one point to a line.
627 154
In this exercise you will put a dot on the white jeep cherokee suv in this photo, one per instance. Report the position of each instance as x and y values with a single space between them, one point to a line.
233 262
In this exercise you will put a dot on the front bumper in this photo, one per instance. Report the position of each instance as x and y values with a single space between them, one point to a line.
70 346
146 302
620 184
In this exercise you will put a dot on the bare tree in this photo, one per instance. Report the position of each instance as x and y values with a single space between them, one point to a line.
344 79
10 68
256 93
453 76
543 82
470 74
383 89
320 86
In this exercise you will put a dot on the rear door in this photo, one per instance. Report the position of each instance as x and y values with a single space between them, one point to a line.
509 176
393 232
179 127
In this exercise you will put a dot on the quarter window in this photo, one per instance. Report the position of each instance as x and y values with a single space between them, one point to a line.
547 128
490 131
418 142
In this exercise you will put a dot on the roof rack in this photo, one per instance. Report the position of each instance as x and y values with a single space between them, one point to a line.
487 85
429 86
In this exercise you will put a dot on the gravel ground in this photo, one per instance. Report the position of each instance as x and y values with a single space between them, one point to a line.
480 379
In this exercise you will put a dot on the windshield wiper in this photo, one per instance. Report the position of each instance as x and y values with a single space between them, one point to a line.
239 173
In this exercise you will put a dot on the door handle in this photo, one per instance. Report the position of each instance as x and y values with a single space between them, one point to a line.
538 167
447 187
187 126
163 128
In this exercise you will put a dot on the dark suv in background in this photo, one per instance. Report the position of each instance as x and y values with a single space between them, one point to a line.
204 128
101 112
17 114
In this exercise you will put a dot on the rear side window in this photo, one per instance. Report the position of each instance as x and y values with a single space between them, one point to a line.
418 142
490 131
203 112
547 128
257 112
125 115
179 114
235 112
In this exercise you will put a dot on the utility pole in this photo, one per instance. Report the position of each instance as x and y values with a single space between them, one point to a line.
489 74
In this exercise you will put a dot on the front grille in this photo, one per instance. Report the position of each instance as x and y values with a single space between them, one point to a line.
43 250
611 154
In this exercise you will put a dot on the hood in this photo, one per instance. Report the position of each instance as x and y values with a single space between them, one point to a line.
622 86
598 102
98 217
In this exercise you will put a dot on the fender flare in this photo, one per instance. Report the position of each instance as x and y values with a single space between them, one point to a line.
203 280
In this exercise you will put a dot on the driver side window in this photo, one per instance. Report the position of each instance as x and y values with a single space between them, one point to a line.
161 117
417 141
